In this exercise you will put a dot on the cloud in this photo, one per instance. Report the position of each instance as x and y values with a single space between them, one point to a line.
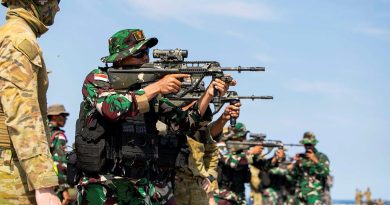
377 32
318 87
197 12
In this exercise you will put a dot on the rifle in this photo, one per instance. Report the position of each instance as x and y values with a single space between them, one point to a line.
171 62
247 144
230 97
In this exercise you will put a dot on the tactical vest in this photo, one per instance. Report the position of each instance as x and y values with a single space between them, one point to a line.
116 147
233 179
5 140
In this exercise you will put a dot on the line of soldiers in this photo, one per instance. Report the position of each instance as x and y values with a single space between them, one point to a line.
274 181
133 145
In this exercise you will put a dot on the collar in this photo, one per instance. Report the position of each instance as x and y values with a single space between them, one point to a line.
35 24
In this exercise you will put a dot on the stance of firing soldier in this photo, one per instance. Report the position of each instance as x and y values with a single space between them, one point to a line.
197 170
310 171
271 186
233 169
116 137
27 175
57 118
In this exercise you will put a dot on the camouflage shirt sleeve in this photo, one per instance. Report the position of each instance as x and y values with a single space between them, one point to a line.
321 169
186 122
100 95
58 147
26 127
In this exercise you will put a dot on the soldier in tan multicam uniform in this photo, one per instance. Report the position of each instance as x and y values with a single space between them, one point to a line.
26 167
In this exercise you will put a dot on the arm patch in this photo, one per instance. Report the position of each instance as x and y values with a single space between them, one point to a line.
28 49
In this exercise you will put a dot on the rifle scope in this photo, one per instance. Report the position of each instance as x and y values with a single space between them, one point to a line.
170 54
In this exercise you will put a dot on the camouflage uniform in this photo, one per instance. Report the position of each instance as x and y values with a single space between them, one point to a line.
197 161
233 170
310 177
101 99
58 142
25 162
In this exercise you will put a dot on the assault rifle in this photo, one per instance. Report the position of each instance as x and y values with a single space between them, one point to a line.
171 62
247 144
230 97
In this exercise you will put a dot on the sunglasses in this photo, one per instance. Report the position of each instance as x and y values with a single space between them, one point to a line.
141 53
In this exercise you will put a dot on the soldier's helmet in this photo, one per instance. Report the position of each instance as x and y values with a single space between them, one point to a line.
56 109
309 138
125 43
239 131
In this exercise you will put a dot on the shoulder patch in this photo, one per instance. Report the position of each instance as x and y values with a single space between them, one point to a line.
27 48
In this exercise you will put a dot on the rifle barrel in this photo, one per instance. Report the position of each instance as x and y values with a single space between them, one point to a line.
239 69
253 97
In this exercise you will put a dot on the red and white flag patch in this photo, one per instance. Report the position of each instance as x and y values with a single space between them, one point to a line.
101 77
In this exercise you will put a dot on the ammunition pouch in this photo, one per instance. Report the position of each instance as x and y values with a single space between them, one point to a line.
72 175
168 150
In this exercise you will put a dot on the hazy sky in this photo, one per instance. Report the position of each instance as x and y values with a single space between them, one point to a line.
326 62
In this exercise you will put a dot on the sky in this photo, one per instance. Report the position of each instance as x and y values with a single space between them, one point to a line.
327 66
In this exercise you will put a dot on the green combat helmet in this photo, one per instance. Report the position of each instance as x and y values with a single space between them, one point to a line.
56 109
239 131
309 138
126 42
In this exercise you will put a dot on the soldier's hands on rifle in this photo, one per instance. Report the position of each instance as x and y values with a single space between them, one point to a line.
279 155
168 84
310 154
220 85
231 111
256 150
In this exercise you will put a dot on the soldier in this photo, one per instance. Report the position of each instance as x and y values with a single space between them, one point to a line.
116 134
57 119
198 162
233 170
272 175
27 175
310 171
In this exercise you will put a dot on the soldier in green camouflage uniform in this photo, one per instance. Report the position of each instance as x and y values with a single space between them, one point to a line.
27 175
270 182
310 171
57 115
101 101
233 170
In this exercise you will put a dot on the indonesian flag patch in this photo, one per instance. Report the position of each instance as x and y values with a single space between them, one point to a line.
101 77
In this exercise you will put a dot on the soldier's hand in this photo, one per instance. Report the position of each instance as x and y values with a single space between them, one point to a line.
206 185
231 111
310 154
46 196
171 83
65 195
280 154
256 150
220 85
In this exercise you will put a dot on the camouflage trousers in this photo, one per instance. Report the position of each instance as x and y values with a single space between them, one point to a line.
13 182
188 191
227 197
123 191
